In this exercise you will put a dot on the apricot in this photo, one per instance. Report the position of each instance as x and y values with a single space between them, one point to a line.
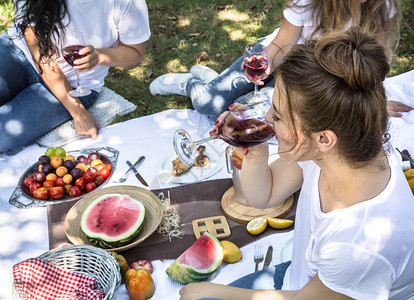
51 177
61 171
56 162
68 157
82 167
96 162
67 179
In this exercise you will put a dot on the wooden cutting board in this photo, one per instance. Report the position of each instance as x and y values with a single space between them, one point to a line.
243 214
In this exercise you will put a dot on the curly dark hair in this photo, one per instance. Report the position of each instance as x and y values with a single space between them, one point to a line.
47 18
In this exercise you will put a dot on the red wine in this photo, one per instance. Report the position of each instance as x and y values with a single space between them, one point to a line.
255 66
71 53
245 132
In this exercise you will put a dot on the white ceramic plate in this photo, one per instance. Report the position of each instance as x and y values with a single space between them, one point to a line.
217 162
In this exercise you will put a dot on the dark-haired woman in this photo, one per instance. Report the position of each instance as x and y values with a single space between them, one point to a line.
35 79
354 230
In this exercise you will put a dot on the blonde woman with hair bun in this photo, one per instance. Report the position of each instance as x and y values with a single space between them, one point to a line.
354 231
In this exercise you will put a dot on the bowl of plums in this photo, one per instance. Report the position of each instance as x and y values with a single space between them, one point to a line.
59 176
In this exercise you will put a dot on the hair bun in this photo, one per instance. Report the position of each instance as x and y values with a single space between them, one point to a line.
354 56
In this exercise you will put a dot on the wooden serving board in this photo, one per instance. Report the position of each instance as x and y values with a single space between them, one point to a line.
243 214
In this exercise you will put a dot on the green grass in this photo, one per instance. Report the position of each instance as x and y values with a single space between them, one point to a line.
182 29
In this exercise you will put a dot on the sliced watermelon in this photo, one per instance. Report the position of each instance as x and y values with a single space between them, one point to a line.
199 261
112 220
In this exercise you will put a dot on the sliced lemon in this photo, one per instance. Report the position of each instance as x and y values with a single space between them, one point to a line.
231 253
409 174
257 226
279 223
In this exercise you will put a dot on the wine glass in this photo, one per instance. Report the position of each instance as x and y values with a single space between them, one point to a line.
255 63
239 129
71 44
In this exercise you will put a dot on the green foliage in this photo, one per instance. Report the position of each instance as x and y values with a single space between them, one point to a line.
183 29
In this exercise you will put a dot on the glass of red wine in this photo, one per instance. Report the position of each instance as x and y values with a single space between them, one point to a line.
255 63
71 45
239 129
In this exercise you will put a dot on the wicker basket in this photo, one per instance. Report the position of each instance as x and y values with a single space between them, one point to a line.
87 260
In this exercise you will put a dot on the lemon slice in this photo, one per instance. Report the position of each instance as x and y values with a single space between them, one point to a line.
231 253
279 223
257 226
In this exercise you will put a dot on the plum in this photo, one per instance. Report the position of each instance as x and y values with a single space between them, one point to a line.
92 156
69 164
93 169
82 159
76 173
46 168
44 159
40 177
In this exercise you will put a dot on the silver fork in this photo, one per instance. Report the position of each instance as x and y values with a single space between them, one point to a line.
258 256
124 177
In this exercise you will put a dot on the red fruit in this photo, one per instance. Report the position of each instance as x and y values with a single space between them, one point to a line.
40 177
142 264
59 181
89 176
139 284
75 191
105 172
41 193
28 181
80 182
33 186
99 180
90 186
49 183
99 167
56 192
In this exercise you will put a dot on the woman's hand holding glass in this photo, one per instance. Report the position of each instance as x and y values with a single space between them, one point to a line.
88 60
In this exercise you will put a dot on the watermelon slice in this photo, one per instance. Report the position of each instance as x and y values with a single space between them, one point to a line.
199 261
112 220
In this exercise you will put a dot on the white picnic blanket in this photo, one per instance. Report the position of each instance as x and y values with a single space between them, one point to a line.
24 232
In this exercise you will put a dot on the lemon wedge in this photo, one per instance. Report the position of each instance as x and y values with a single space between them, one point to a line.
231 253
279 223
256 226
409 174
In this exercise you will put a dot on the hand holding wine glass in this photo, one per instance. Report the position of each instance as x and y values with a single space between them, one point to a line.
238 129
71 44
256 65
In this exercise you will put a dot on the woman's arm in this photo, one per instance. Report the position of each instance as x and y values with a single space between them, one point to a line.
313 290
287 36
54 78
267 185
119 56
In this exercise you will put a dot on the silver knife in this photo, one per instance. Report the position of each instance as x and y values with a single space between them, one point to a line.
136 173
268 258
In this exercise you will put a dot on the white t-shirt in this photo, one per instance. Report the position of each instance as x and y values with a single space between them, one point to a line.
102 25
303 16
365 251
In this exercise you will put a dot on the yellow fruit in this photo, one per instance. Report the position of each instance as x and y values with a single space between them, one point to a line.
82 167
96 162
61 171
409 174
56 162
279 223
51 177
231 253
257 226
69 157
411 183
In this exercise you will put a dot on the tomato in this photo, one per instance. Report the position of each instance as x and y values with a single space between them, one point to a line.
80 182
89 176
90 186
28 181
99 180
34 186
41 193
99 167
48 184
56 192
59 181
105 172
75 191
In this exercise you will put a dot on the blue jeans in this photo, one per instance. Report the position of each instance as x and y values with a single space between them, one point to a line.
262 280
214 97
27 107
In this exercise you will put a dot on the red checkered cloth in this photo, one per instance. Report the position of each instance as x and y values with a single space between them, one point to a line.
39 280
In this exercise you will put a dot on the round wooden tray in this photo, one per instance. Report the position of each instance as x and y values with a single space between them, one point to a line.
241 213
153 214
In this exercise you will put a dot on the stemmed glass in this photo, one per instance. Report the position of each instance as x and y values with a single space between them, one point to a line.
239 129
255 63
71 44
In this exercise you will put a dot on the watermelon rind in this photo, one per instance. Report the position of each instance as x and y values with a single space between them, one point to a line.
101 239
186 274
